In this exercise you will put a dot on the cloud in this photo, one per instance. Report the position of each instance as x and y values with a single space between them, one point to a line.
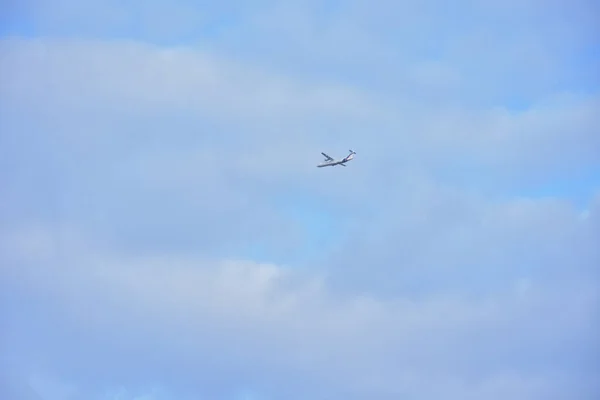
163 223
150 78
430 239
490 48
542 48
210 319
148 165
277 116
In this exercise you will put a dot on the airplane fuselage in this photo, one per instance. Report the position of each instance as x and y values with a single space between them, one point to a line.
332 163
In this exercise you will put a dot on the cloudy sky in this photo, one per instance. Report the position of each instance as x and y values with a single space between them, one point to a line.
164 233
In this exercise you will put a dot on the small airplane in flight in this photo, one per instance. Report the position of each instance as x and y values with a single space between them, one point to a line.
330 162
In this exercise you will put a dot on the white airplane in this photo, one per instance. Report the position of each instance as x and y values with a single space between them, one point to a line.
330 162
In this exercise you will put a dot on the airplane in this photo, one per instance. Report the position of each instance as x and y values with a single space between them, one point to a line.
330 162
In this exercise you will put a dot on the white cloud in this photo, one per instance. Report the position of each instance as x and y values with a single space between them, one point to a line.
280 118
147 78
131 170
242 317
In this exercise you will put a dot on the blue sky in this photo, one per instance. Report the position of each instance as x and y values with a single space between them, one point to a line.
164 233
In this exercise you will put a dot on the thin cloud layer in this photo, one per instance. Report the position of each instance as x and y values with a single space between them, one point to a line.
196 323
165 233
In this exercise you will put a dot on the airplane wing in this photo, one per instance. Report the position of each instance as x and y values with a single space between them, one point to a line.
327 157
